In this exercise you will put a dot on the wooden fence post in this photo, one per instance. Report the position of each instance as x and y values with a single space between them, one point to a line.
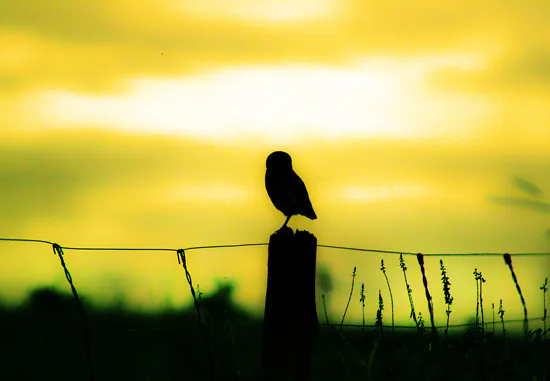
290 317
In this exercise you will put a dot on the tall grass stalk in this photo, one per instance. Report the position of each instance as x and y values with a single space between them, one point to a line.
350 294
479 283
501 314
362 301
420 258
508 261
477 297
409 289
447 293
383 269
493 307
379 322
482 280
544 288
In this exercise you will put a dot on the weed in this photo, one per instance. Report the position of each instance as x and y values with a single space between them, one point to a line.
447 293
501 314
508 261
350 294
420 258
378 322
383 269
362 301
493 307
544 289
409 289
479 299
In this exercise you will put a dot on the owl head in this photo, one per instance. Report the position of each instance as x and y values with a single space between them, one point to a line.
278 160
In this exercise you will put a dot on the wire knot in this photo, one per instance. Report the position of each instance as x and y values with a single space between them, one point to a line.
57 249
181 254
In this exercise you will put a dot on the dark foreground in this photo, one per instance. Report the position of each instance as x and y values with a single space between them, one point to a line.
43 341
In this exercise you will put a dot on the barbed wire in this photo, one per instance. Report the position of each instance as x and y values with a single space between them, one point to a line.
481 254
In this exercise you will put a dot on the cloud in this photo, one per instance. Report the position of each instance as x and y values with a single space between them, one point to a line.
285 102
96 46
71 174
390 192
64 174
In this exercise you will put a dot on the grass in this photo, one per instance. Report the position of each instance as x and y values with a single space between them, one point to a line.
42 341
473 354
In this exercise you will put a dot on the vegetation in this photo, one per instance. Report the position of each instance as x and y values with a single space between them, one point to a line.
43 340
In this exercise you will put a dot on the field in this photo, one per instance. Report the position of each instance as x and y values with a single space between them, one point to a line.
43 339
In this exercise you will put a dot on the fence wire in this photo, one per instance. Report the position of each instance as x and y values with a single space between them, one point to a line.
266 244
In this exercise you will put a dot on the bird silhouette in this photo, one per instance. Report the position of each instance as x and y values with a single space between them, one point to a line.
285 188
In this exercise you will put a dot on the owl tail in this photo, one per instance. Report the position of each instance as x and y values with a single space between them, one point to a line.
310 213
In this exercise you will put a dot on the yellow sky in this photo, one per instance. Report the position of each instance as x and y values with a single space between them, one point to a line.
149 125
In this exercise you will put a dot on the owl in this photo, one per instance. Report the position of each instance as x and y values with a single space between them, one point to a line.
285 188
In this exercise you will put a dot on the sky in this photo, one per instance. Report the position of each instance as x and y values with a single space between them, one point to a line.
418 127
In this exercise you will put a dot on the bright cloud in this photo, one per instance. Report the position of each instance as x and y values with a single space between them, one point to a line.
375 98
384 192
262 10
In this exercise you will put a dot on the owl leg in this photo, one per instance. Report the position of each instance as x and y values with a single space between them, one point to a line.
286 222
